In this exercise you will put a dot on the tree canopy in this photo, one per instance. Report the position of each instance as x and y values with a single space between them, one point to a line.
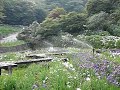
100 17
53 25
68 5
22 13
96 6
1 9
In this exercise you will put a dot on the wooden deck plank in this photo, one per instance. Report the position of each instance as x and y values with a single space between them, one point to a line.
10 64
33 61
36 56
6 64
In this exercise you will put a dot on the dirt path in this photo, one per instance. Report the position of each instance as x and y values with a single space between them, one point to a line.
10 38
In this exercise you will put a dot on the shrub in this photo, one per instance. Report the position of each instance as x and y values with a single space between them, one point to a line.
101 41
118 44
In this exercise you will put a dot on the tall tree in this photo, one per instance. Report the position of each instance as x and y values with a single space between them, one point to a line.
55 13
73 22
95 6
68 5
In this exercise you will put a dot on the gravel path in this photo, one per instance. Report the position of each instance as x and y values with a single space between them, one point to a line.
10 38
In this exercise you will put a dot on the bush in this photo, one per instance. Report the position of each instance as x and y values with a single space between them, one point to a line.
101 33
118 44
95 41
115 30
101 41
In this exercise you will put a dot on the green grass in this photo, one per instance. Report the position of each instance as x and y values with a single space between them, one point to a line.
9 44
7 29
113 58
11 56
52 76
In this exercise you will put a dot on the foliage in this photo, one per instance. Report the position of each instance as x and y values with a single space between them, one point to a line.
22 13
8 29
112 57
55 13
101 33
83 70
9 44
73 22
103 15
103 21
11 56
1 10
95 6
60 75
28 32
115 30
101 41
68 5
97 23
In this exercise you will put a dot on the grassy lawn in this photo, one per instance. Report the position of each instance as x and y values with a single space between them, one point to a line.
9 44
7 29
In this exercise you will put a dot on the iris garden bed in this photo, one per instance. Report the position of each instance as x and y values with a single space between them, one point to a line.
81 72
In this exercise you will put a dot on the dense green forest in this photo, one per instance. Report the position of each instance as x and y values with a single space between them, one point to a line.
94 17
24 12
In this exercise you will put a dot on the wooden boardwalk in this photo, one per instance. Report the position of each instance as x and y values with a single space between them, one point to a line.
9 65
33 58
36 56
33 61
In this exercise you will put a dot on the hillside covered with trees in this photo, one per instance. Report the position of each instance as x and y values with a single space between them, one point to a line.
98 17
55 17
24 12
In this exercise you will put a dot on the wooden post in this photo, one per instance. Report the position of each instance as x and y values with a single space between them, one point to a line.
93 52
0 71
9 70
